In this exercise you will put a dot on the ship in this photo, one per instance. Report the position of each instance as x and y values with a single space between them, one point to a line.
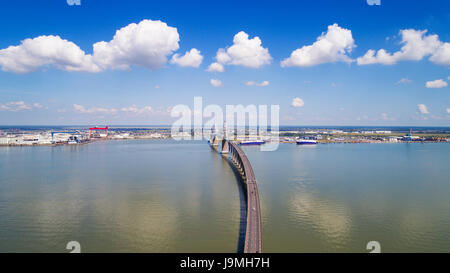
306 141
252 142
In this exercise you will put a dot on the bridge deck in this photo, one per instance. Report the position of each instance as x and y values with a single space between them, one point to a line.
253 236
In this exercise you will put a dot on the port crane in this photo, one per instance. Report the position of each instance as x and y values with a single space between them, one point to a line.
98 128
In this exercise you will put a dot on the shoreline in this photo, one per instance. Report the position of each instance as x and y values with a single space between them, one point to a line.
281 142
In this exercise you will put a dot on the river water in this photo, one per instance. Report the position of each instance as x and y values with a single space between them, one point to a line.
168 196
338 197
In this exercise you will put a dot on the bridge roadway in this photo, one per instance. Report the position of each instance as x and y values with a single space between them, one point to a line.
253 234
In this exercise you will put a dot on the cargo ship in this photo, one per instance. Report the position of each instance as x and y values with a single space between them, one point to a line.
252 142
306 142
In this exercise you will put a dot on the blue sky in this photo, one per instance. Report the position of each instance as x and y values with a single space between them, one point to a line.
131 84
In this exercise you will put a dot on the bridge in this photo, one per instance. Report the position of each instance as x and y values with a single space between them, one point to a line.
234 153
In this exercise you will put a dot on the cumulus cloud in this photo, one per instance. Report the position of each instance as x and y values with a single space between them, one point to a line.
423 109
43 51
332 46
436 84
192 58
16 106
448 110
216 67
297 102
252 83
442 55
215 82
416 46
145 44
244 51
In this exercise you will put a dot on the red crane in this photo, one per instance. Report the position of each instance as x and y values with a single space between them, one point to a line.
99 128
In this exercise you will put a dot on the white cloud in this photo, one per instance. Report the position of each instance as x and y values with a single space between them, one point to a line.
264 83
79 108
244 51
448 110
442 55
215 82
15 106
252 83
100 110
404 81
297 102
370 58
94 110
436 84
332 46
192 58
43 51
423 108
416 46
145 44
215 67
137 110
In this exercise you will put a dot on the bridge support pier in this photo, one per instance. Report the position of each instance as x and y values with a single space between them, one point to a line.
224 146
214 143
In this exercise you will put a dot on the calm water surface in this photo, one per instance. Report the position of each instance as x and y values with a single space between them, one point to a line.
338 197
167 196
118 196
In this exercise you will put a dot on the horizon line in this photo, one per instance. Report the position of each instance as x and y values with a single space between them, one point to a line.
169 125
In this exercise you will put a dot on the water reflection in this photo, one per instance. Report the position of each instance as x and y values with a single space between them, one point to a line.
338 197
330 219
124 196
164 196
